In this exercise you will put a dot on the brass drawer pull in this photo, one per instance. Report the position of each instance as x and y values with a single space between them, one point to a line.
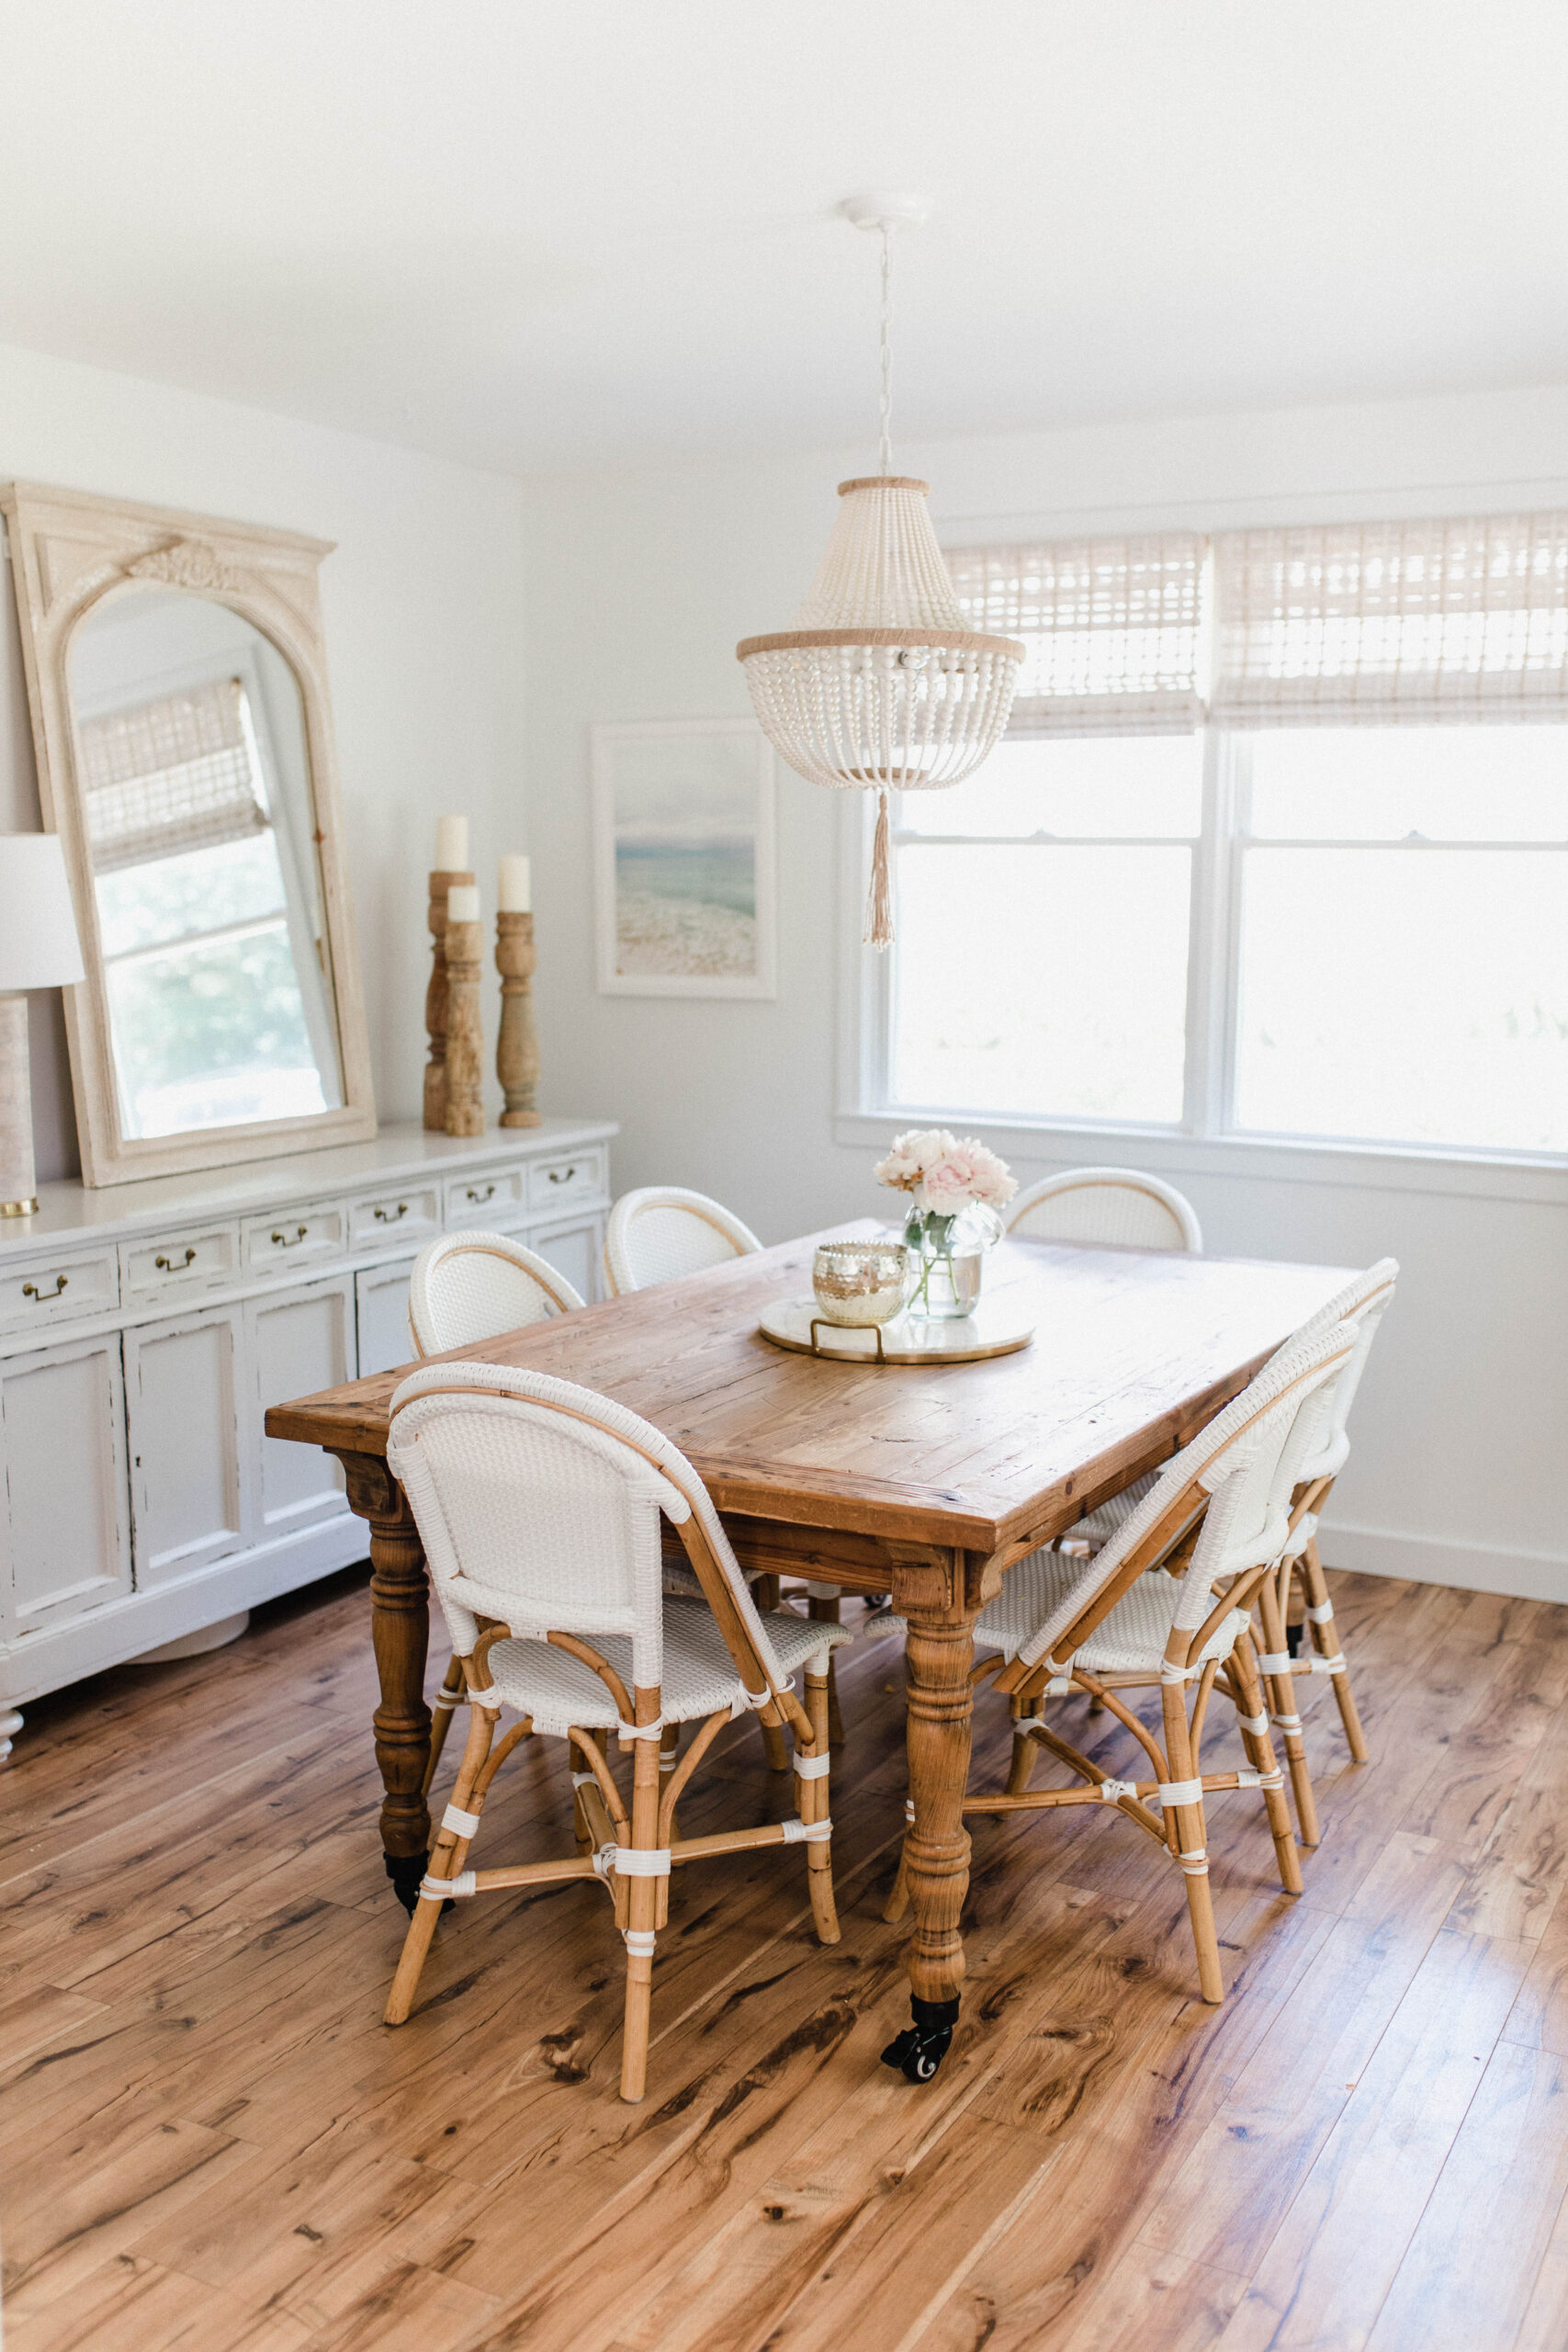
287 1242
165 1266
481 1198
391 1216
562 1175
31 1290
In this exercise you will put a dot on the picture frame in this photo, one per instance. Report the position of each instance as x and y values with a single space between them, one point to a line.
684 858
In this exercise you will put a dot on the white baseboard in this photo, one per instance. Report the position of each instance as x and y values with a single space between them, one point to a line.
135 1622
1437 1559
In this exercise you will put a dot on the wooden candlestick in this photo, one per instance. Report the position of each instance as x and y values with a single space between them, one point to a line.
517 1045
464 1030
436 1004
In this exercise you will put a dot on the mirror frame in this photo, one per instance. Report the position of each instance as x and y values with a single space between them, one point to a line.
70 551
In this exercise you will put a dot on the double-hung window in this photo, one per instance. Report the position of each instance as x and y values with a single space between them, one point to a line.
1277 846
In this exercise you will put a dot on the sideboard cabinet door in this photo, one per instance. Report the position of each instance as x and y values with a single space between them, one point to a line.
189 1475
381 1305
296 1342
573 1250
65 1522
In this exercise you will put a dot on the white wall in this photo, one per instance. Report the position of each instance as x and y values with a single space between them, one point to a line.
640 584
422 602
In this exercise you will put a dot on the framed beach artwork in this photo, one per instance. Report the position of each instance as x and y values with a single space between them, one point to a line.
684 858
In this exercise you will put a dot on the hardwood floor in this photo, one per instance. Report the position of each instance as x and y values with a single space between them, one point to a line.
208 2140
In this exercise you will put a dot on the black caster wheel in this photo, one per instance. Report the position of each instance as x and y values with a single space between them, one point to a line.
919 2050
406 1873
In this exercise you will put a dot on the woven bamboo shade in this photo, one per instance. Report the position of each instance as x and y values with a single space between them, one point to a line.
1112 630
1382 624
882 683
169 775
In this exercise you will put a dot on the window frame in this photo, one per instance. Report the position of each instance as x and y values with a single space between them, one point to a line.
1208 1139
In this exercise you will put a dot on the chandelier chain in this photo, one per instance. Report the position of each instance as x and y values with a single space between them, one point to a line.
886 407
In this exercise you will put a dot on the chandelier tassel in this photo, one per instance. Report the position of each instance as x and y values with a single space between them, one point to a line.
879 905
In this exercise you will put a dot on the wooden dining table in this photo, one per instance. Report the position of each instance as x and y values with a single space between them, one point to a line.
925 1481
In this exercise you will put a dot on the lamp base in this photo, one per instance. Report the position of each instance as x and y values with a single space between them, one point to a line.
19 1208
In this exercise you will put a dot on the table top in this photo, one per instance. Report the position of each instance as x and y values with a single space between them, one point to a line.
1134 1350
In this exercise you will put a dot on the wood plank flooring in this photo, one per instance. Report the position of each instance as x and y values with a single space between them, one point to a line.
208 2140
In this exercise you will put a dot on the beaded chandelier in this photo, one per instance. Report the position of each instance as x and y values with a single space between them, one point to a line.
879 685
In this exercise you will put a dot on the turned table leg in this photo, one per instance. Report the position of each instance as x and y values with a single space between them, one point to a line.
936 1845
399 1630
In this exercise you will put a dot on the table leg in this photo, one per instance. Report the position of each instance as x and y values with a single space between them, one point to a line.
399 1630
936 1845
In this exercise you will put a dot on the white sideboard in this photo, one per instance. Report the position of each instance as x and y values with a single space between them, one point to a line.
145 1329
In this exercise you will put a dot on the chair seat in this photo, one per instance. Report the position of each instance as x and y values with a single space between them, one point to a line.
1102 1523
1131 1640
679 1577
558 1691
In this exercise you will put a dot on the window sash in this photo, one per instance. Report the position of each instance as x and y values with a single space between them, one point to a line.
1213 975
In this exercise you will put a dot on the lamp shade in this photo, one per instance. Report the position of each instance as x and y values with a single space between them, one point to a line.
38 948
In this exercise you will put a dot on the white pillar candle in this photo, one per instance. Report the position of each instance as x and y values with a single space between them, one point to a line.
463 903
516 896
451 845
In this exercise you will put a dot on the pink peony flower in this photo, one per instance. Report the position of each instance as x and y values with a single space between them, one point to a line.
942 1174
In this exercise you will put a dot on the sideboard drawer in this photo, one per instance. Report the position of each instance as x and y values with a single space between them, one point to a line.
175 1262
409 1216
296 1236
56 1290
561 1183
482 1200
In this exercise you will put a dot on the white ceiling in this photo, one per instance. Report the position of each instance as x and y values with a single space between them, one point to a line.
530 234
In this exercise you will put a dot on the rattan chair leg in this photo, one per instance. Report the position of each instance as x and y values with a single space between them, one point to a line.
775 1746
1260 1756
448 1856
451 1698
642 1904
823 1608
1283 1711
812 1798
669 1759
1326 1640
1024 1749
1186 1831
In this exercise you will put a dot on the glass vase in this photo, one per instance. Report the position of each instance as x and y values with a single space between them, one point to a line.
950 1258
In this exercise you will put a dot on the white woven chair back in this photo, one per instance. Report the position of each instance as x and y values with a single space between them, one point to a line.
1246 1459
470 1286
1105 1204
660 1233
1362 1304
538 1503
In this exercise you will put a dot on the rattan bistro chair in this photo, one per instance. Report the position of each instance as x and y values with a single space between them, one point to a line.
465 1287
661 1232
1124 1208
539 1505
1220 1511
1358 1309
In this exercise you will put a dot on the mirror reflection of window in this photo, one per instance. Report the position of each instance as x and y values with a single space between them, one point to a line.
218 998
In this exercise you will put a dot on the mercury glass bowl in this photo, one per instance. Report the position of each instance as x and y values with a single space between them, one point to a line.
862 1282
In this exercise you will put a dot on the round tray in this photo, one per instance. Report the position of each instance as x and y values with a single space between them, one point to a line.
994 1329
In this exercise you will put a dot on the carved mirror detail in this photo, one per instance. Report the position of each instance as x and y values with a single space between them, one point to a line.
178 681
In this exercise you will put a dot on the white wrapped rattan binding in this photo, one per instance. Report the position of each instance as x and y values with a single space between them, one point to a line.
1112 1792
1335 1665
1256 1725
806 1832
1249 1778
445 1889
639 1943
489 1699
465 1824
641 1862
585 1779
1276 1662
1320 1612
1286 1722
1170 1673
1196 1863
444 1698
641 1731
1170 1792
812 1768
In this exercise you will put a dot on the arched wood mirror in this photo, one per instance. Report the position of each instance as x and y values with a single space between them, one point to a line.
178 681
